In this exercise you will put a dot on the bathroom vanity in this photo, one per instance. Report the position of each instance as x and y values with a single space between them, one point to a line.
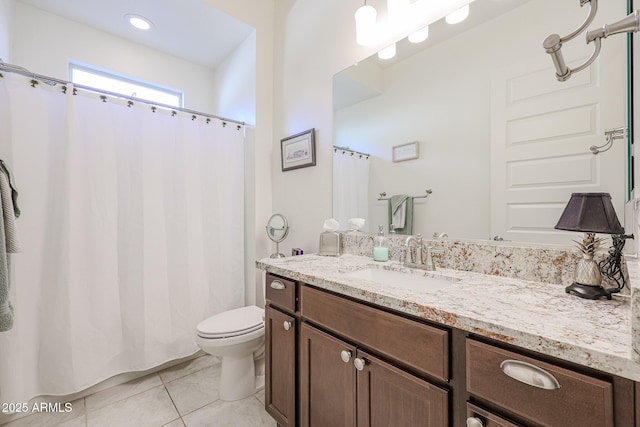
483 351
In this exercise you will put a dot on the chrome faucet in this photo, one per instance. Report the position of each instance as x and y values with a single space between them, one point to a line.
408 262
428 264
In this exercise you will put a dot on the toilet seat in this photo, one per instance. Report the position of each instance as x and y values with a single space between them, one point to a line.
232 323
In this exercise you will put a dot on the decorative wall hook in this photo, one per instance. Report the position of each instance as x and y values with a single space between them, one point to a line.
553 43
611 135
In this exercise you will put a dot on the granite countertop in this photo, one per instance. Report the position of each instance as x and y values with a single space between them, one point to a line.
533 315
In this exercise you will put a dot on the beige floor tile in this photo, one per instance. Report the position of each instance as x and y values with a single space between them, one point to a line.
246 413
175 423
260 396
151 408
50 419
189 367
122 391
195 390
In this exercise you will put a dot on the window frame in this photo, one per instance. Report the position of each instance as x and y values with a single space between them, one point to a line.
101 72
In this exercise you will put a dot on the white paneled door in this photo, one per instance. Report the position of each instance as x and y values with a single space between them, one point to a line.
541 132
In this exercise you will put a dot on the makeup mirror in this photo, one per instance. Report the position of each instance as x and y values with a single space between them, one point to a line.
277 230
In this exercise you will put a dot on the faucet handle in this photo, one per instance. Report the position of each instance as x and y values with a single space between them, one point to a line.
429 265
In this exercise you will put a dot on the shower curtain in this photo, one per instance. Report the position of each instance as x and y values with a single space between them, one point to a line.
132 232
350 188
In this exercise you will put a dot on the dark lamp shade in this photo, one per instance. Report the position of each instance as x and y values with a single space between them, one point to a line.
590 213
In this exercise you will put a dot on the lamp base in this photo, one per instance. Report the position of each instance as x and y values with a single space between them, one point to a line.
587 291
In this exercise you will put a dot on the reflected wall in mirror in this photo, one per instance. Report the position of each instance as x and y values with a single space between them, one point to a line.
502 143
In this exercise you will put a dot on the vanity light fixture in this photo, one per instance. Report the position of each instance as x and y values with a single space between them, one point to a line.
388 52
403 15
553 43
138 21
458 16
419 36
593 213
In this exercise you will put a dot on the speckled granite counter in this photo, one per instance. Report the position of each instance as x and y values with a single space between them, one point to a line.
533 315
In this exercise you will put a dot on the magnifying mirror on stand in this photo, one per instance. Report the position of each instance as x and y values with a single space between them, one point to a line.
277 230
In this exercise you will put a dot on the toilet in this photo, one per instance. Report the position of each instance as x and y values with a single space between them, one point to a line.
237 337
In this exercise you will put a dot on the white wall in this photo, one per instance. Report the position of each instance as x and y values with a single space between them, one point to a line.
260 15
44 43
6 7
235 83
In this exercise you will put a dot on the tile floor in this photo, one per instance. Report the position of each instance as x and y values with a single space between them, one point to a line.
185 395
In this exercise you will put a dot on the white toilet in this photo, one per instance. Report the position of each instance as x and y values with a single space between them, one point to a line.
237 337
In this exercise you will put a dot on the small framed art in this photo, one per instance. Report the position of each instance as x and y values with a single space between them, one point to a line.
298 151
406 151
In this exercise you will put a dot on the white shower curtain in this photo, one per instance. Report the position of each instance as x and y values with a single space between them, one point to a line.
132 232
350 188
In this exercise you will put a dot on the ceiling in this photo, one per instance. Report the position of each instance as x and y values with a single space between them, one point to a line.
189 29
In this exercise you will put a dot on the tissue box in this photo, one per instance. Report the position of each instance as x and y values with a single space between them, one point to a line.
329 243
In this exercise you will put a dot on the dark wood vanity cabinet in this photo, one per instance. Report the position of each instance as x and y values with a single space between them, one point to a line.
281 337
343 386
360 366
335 361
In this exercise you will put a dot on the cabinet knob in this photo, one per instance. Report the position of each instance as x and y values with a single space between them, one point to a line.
360 363
286 325
474 422
345 355
277 284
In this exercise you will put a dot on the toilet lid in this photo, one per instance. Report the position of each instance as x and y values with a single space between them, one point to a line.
232 323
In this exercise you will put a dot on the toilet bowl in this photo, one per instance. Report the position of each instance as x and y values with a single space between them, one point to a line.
235 336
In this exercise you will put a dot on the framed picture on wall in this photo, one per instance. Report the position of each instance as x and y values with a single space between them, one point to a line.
298 151
403 152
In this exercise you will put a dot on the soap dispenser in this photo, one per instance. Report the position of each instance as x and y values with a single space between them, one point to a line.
380 247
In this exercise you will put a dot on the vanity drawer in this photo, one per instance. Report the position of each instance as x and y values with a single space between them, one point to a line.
281 293
580 400
486 418
414 344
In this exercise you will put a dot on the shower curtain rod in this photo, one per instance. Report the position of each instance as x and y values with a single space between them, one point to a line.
51 81
343 149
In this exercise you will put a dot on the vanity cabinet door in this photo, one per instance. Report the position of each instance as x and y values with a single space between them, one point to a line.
327 380
280 367
388 396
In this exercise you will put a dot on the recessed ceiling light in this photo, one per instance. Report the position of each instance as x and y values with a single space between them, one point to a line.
140 22
458 15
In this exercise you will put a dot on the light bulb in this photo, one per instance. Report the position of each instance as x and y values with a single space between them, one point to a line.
365 24
458 15
388 52
420 35
140 22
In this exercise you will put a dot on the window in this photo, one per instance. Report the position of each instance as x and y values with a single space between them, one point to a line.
112 82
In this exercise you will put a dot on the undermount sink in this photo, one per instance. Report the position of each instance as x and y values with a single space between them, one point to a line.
402 280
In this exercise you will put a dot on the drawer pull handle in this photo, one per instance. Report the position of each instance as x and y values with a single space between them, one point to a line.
345 355
276 284
286 325
360 363
529 374
474 422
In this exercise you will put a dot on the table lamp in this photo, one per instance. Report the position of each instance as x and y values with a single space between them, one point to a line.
593 213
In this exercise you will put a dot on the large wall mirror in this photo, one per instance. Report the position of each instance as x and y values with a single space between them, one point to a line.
502 144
